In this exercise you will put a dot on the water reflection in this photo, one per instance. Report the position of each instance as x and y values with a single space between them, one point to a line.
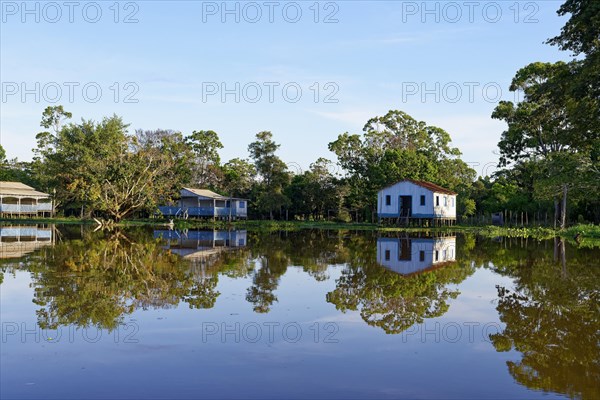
417 283
408 256
552 318
198 244
549 310
16 241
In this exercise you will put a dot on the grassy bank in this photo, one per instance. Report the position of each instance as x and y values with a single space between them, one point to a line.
584 231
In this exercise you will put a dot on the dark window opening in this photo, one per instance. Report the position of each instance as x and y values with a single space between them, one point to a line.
421 256
387 255
437 200
388 200
422 199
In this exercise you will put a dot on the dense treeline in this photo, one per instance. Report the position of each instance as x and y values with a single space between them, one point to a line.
550 156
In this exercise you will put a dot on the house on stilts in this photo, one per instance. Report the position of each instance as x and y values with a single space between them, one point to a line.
204 203
20 200
411 202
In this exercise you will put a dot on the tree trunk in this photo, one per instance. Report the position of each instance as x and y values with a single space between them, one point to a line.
556 211
563 213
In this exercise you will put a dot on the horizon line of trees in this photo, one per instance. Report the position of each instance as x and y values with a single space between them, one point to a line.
549 155
98 169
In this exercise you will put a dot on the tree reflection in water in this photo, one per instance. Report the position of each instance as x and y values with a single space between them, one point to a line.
98 278
392 301
551 313
552 318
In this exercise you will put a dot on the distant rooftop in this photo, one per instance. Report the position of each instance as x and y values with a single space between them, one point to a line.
19 189
209 194
206 193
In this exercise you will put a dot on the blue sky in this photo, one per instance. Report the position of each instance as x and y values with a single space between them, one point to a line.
441 62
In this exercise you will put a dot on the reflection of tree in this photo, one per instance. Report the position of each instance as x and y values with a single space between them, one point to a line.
99 278
205 276
313 250
552 317
271 251
389 300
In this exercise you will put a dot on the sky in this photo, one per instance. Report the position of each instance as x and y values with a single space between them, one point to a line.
306 71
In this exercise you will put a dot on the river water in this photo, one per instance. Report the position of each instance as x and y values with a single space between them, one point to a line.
143 313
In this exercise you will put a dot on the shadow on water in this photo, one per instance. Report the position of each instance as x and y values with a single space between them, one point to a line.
551 312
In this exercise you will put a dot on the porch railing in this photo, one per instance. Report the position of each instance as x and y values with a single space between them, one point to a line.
25 208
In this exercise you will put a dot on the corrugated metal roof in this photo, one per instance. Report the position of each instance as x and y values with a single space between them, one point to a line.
206 193
19 189
209 194
427 185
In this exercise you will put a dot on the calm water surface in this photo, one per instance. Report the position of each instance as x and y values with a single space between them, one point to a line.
314 314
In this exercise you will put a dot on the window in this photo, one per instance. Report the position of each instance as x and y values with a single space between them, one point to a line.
445 201
241 242
422 199
388 200
421 256
242 204
387 255
452 201
437 201
437 255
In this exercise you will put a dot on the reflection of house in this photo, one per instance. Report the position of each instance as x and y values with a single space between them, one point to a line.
412 255
19 199
198 244
410 200
17 241
206 203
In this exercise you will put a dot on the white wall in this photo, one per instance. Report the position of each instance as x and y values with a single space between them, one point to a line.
446 209
241 212
405 189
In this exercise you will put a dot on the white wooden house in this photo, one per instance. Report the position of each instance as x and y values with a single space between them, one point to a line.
18 199
408 256
409 200
206 203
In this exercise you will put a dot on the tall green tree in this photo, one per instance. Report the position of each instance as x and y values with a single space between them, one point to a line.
205 146
317 193
2 155
273 173
175 150
395 147
238 177
98 168
540 131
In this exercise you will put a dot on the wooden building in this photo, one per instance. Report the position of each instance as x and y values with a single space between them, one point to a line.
206 203
18 199
417 202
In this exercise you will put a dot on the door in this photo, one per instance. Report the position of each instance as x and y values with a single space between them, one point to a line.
405 206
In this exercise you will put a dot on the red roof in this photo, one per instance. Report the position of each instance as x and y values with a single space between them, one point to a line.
428 185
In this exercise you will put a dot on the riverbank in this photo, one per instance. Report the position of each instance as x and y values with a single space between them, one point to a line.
584 231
